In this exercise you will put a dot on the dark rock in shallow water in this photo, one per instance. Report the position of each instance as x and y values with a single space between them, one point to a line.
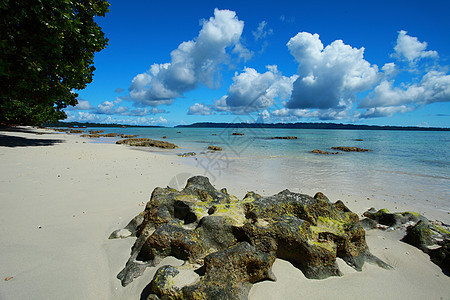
112 134
235 242
76 131
96 131
145 142
317 151
237 133
127 136
215 148
283 138
351 149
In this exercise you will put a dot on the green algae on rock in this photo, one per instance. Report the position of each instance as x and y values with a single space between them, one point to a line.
233 243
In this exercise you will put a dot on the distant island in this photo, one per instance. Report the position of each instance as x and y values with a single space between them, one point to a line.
257 125
309 126
88 124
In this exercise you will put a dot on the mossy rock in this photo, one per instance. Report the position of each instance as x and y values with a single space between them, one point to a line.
419 236
145 142
236 241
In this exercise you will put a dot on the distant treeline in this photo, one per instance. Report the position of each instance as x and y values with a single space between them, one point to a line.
260 125
87 124
311 126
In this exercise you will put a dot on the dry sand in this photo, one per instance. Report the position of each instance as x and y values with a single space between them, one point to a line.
61 196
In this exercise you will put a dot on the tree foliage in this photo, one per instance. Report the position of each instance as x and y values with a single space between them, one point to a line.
47 51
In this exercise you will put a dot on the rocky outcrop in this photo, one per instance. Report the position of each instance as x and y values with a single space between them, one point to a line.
317 151
432 237
215 148
237 133
351 149
76 131
112 134
145 142
60 129
187 154
234 242
96 131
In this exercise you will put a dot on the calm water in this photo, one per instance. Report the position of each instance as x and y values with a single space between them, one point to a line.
413 166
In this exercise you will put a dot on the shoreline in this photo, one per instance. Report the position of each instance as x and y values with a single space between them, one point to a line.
62 196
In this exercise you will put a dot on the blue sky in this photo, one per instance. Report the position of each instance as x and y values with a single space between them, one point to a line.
361 62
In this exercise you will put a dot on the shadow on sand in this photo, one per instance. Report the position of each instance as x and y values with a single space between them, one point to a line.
16 141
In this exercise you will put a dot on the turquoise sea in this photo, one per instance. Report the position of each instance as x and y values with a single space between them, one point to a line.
407 166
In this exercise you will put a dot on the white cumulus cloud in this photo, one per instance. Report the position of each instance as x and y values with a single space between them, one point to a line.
388 111
433 87
252 91
193 62
329 77
200 110
83 105
409 48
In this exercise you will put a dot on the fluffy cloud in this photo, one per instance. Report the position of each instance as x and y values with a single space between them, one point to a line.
390 96
87 117
252 91
409 48
329 77
113 108
83 105
321 114
261 32
433 87
193 62
388 111
200 110
106 108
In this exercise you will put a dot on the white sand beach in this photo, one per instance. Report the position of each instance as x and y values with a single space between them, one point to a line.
61 196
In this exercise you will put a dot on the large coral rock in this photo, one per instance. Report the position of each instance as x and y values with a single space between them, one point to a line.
235 242
145 142
309 232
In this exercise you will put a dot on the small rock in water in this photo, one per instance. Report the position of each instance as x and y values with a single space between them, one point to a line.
215 148
351 149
